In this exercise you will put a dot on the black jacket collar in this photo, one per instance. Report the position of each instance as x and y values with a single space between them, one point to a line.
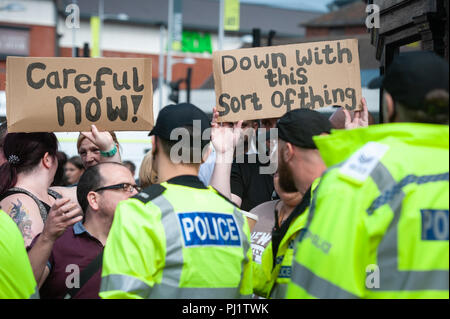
187 180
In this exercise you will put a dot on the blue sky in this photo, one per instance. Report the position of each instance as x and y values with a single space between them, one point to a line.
314 5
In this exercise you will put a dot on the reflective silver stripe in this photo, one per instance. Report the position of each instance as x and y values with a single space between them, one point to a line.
312 208
391 278
125 283
35 294
161 291
301 236
244 241
173 259
390 189
317 286
383 179
169 286
174 251
278 291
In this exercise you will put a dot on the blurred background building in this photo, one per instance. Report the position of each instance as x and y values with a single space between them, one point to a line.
139 28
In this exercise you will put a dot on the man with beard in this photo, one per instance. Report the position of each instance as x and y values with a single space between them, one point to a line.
299 166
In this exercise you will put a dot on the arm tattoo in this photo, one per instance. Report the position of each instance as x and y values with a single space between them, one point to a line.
22 219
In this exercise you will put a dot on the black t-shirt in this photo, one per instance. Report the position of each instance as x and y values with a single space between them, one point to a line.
279 232
249 184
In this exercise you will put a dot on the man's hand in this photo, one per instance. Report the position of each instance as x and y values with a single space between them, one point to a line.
62 214
103 140
360 118
224 138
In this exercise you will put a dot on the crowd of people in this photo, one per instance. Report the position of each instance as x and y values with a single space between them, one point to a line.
353 210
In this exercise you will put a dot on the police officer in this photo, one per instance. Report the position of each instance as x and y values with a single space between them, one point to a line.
16 276
178 239
378 225
299 168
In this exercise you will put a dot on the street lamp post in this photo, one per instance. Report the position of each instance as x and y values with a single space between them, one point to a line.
74 45
169 43
221 24
162 31
101 11
102 16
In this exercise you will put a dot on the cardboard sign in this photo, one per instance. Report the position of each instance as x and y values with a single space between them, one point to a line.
70 94
267 82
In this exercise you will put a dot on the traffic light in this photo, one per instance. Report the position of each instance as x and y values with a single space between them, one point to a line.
256 38
175 91
86 50
270 38
188 85
174 95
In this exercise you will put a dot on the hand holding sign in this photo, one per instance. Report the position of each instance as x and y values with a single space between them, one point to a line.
360 118
224 138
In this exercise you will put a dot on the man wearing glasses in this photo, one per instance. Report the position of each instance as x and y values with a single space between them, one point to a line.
66 261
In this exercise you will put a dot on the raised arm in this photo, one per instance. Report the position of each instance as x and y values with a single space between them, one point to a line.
360 118
63 214
224 140
109 150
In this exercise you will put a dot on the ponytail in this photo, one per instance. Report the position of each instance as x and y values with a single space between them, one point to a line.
8 176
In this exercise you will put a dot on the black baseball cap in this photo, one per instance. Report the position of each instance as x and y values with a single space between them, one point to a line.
179 115
412 75
299 126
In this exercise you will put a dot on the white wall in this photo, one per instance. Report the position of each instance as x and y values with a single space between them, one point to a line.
2 103
114 37
130 38
38 12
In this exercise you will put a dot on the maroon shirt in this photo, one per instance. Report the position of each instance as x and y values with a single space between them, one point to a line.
75 247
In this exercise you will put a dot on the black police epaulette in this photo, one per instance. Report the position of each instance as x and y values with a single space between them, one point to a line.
149 193
226 198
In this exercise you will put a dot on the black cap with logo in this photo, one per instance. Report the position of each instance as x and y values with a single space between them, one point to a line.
412 75
299 126
180 115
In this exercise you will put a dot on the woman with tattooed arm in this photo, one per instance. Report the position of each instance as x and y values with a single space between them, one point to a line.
25 179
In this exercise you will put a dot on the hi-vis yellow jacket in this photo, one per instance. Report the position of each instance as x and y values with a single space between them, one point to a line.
177 240
378 225
16 276
270 280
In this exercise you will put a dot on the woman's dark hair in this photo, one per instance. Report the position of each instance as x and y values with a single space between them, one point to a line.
23 152
60 177
76 161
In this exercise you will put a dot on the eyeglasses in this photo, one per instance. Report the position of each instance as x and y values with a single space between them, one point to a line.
123 186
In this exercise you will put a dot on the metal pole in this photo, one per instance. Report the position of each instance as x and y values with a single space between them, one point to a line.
169 43
221 24
101 9
188 84
162 31
74 45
